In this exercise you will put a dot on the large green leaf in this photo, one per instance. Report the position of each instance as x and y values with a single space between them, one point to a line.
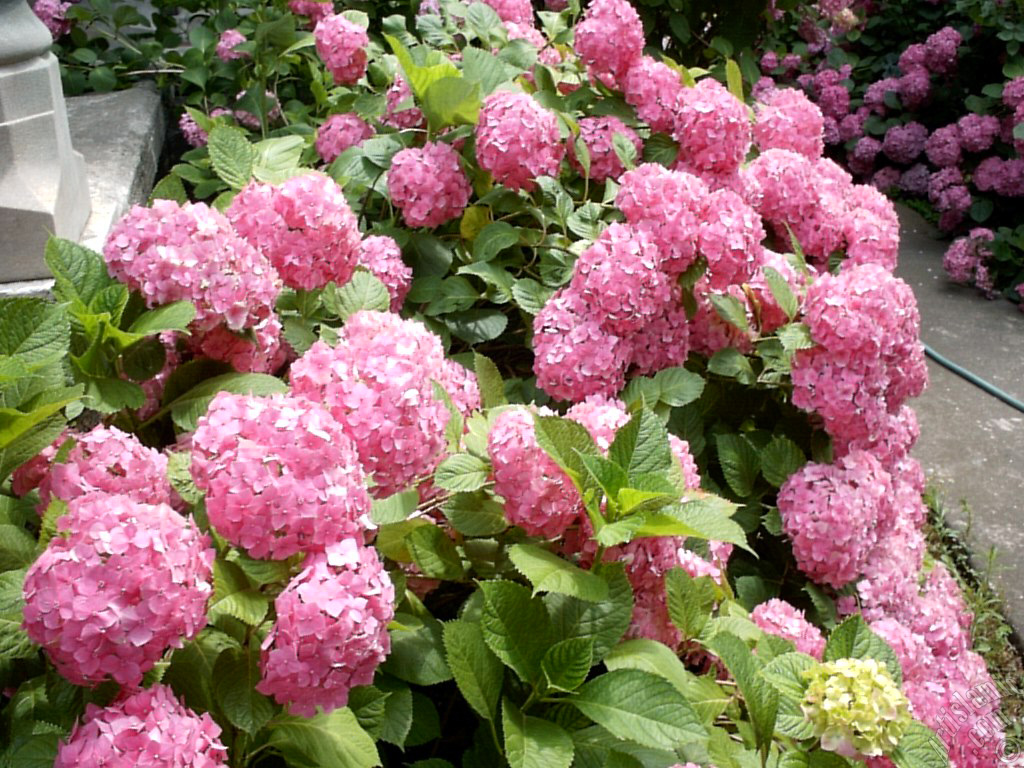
854 639
417 654
334 739
567 663
515 627
920 747
550 573
278 159
187 409
565 441
740 463
421 77
35 331
761 698
14 642
434 553
780 459
785 674
235 596
191 670
477 671
641 446
235 676
79 273
689 601
363 291
170 317
462 472
531 742
231 155
642 707
604 622
452 101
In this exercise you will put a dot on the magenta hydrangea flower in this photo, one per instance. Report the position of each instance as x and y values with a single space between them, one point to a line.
304 226
258 350
831 513
619 279
316 10
109 461
377 383
170 252
149 727
903 143
427 184
1004 177
729 238
602 416
338 133
914 88
712 128
663 342
940 52
1013 92
342 45
538 496
787 119
517 140
280 475
597 133
516 11
401 111
126 582
194 135
943 146
653 89
573 355
669 206
229 39
383 258
53 13
609 40
777 617
966 254
871 228
331 631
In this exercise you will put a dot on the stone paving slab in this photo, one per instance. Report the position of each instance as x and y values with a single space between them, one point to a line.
972 444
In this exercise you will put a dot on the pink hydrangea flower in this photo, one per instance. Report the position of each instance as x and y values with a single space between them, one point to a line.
777 617
663 342
53 13
669 207
316 10
516 11
602 416
653 89
428 185
401 111
1013 92
517 140
377 383
609 40
862 158
194 135
258 350
832 512
787 119
331 632
280 475
229 39
149 727
943 146
712 128
903 143
940 53
126 582
597 133
342 45
729 238
619 279
966 254
573 355
304 226
338 133
874 96
170 252
107 460
383 258
871 228
251 120
977 132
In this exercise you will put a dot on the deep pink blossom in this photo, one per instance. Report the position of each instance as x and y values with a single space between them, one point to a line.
342 46
653 89
229 39
517 140
777 617
712 127
428 185
609 40
787 119
338 133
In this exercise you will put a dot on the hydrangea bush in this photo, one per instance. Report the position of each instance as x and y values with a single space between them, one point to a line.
555 420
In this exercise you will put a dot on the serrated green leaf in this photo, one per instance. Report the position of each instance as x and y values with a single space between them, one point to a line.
417 655
795 336
761 698
604 622
231 155
508 609
398 711
395 508
17 548
334 739
188 408
493 239
475 326
689 601
477 671
144 359
785 674
14 641
363 291
641 446
235 676
734 78
488 377
475 514
565 441
170 317
370 706
920 747
79 273
550 573
732 363
740 463
531 742
420 78
261 572
731 310
462 472
191 669
780 459
234 596
277 159
169 188
781 292
638 706
179 475
530 295
434 553
854 639
35 332
567 663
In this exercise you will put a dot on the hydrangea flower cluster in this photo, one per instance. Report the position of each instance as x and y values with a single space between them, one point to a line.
342 46
713 129
653 89
609 40
377 383
857 709
383 258
787 119
428 185
596 134
515 11
967 255
149 727
331 630
316 10
229 40
304 226
338 133
280 475
517 140
106 460
777 617
126 582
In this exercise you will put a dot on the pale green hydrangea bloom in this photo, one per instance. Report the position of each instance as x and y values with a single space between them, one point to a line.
856 707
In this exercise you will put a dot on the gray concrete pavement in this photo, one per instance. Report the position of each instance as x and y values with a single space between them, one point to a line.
972 445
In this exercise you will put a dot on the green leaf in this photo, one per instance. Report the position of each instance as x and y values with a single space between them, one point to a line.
434 553
607 474
426 722
641 445
854 639
642 707
566 442
732 364
604 622
780 459
795 336
191 671
277 159
475 514
475 326
234 596
262 572
625 150
488 377
704 517
231 155
179 475
395 508
170 317
35 331
661 149
920 747
678 387
362 291
477 671
761 698
785 674
108 394
689 601
334 739
398 711
169 188
567 663
370 706
483 68
731 309
658 659
530 295
144 359
17 547
734 78
14 641
420 78
531 742
417 655
462 472
508 610
187 409
740 463
235 676
781 292
493 239
550 573
79 273
452 101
